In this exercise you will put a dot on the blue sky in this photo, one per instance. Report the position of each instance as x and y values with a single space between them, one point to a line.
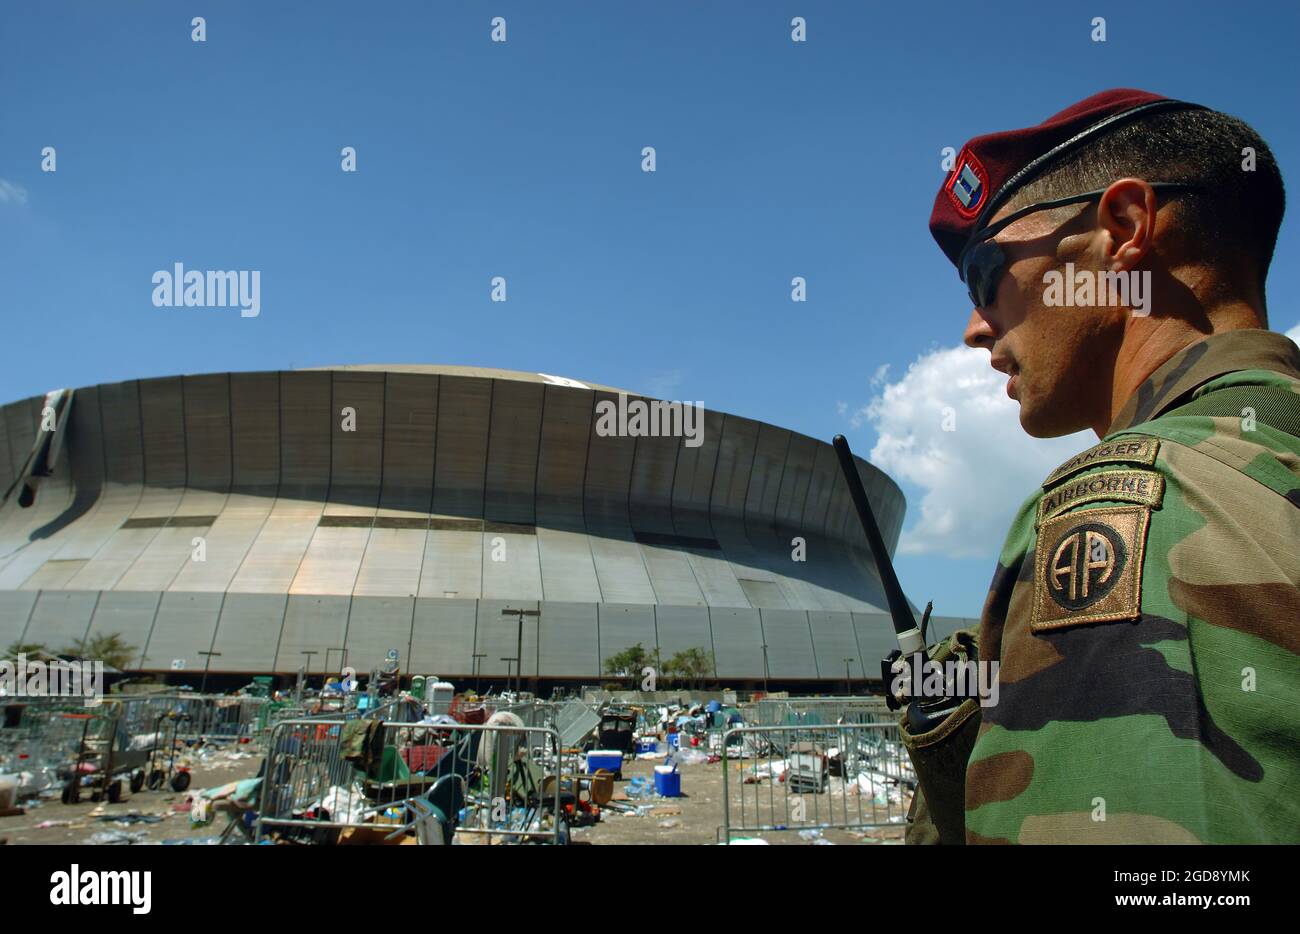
480 159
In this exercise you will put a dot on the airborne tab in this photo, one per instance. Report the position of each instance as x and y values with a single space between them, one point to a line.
1127 450
1145 487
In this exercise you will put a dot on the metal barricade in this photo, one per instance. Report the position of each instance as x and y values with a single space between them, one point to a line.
813 711
502 783
215 718
43 739
574 721
276 711
851 776
532 713
139 718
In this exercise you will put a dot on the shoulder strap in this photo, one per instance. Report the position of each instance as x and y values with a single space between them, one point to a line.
1274 406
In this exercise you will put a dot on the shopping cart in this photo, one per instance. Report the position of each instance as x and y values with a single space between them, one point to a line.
40 741
112 745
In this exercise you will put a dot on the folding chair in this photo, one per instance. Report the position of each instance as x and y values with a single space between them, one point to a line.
534 793
436 814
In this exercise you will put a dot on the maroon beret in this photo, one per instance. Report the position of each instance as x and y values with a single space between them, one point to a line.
991 167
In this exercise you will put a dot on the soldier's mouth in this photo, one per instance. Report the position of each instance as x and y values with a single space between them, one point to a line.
1008 366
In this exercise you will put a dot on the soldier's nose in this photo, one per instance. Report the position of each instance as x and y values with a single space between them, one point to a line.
979 332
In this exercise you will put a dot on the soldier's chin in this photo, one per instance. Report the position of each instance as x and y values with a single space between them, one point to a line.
1042 421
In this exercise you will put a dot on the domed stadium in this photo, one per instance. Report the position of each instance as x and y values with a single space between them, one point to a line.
264 522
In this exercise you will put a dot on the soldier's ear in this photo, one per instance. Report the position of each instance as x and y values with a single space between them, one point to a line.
1126 218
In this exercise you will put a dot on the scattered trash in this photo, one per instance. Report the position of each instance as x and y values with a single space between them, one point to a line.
117 837
639 787
692 757
344 805
512 788
128 819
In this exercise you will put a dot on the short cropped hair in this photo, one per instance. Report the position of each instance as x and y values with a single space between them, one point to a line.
1235 213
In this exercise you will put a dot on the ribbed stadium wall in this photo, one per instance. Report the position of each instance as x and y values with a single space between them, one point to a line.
347 544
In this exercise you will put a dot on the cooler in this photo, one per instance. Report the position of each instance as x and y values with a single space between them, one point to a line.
668 781
611 760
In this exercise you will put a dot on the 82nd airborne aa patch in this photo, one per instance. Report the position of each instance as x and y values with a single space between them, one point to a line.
1088 567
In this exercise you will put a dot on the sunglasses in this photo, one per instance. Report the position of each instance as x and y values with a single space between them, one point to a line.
983 261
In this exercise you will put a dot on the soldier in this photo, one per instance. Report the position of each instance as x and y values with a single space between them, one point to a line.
1145 612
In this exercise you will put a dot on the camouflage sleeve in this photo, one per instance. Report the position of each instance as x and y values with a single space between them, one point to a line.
1148 659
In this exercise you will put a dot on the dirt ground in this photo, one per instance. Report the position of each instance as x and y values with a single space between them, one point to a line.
78 823
693 819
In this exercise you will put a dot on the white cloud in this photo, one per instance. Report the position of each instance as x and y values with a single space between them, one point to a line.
974 476
11 193
1294 334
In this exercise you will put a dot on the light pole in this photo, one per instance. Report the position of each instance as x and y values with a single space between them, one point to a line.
537 660
519 643
306 681
508 659
847 689
203 686
765 669
477 656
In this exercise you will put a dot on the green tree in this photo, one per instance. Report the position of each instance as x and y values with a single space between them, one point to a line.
630 662
25 648
110 648
693 666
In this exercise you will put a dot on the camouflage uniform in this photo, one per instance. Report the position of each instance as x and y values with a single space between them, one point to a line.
1146 618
